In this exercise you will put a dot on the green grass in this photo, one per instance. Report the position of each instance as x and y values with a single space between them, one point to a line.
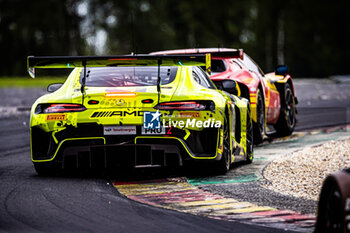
29 82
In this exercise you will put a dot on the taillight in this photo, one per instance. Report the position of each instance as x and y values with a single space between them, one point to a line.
59 108
186 105
147 101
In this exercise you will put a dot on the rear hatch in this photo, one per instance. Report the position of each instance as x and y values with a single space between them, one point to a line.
120 95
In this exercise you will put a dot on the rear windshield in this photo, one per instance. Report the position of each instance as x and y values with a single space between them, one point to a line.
128 76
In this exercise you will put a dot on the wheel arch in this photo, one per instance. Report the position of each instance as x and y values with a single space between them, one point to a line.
290 82
228 112
280 86
244 90
260 87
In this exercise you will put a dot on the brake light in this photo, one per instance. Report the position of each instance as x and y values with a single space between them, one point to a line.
59 108
120 94
186 105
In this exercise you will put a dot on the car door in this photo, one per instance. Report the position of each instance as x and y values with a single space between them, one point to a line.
272 100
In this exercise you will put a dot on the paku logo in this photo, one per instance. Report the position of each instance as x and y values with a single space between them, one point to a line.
151 120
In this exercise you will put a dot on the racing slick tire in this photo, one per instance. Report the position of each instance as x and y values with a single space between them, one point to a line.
223 166
46 168
287 119
259 125
249 139
333 211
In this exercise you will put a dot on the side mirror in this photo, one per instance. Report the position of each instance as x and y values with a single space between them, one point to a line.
54 87
281 70
229 86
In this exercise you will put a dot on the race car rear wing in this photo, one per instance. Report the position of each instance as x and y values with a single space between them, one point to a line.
216 53
120 60
227 54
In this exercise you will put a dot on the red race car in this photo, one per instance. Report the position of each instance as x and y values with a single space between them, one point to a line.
272 96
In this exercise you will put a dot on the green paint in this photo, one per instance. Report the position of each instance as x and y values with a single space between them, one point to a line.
222 180
260 158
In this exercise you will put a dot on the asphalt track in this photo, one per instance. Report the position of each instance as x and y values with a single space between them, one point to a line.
322 103
29 203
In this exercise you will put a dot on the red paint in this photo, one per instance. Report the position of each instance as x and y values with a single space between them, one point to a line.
138 199
176 197
297 217
271 217
274 213
268 220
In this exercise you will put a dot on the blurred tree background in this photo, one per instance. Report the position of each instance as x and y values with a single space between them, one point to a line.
312 37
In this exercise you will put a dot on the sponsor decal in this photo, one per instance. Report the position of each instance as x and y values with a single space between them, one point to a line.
193 123
151 120
190 114
56 117
120 130
101 114
153 131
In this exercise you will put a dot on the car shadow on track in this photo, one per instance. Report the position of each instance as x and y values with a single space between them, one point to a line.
190 171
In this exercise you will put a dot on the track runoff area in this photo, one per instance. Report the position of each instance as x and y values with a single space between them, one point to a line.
180 195
191 195
186 195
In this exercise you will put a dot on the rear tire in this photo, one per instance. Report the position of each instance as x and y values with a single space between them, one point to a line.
330 217
224 164
259 126
287 119
249 139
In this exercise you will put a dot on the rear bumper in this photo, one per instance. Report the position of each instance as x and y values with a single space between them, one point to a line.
84 150
121 156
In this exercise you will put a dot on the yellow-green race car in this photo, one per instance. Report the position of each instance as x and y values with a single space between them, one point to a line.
137 111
